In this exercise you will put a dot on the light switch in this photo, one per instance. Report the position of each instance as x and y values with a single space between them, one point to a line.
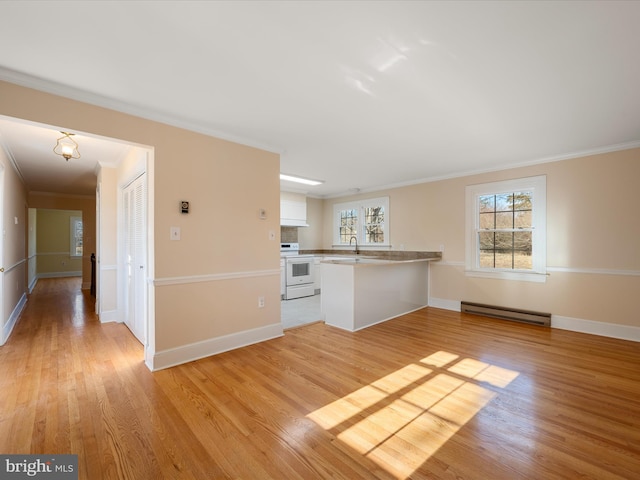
175 233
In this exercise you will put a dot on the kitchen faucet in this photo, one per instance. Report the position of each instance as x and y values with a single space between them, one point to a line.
353 237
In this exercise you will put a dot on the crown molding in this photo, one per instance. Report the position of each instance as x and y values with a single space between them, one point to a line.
72 93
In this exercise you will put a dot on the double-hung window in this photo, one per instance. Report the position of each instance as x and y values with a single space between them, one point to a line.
506 229
76 231
365 221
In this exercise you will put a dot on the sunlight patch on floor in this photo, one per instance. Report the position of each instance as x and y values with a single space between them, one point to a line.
400 420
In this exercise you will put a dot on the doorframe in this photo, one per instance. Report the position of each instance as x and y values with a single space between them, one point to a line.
142 166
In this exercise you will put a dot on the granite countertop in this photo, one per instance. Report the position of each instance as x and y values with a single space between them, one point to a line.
376 255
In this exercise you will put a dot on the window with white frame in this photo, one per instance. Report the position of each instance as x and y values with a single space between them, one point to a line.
75 249
506 229
363 220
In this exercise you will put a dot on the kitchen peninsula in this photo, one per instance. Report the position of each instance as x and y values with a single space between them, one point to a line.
361 290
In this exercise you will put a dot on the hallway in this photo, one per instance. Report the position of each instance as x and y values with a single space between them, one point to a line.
63 377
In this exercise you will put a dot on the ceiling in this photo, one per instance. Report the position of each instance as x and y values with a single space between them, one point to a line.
362 95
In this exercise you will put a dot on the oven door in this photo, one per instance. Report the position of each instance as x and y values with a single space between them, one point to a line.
299 270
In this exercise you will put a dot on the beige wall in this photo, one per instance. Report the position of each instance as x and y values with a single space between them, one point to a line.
53 237
225 254
593 238
14 249
87 205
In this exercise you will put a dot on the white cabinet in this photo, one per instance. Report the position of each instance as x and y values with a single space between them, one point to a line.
358 295
293 210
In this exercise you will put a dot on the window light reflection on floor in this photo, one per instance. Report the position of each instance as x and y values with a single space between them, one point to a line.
400 420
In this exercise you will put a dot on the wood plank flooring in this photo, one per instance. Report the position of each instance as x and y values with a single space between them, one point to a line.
430 395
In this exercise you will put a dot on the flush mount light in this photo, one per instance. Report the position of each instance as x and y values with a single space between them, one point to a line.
66 146
306 181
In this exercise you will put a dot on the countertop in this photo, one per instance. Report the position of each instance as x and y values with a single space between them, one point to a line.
373 257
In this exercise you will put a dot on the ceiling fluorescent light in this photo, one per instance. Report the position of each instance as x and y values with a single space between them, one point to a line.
306 181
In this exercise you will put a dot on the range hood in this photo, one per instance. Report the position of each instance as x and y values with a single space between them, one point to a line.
293 210
288 222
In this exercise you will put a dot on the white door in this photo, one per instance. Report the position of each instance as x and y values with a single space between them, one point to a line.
136 257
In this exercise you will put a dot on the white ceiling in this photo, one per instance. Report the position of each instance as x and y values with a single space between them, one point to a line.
362 95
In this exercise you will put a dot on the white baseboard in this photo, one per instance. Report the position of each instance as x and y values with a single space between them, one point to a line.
33 283
13 319
60 274
108 316
613 330
444 304
188 353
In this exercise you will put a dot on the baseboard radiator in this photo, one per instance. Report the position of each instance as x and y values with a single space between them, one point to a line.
515 315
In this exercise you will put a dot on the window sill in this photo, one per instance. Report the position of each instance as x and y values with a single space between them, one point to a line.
535 277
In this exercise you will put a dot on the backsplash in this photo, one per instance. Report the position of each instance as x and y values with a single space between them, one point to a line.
289 234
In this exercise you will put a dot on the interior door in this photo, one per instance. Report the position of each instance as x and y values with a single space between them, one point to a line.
136 257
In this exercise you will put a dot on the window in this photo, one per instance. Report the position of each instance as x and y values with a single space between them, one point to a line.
76 237
506 229
365 220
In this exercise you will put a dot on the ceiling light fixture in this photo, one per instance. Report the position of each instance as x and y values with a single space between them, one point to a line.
306 181
66 146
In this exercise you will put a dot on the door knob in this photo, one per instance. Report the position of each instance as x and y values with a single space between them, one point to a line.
1 269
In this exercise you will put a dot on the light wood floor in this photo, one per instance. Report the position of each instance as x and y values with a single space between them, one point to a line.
433 395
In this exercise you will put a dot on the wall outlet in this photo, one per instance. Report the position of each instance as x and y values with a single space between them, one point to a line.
260 302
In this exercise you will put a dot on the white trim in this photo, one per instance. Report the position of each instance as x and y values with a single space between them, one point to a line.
595 271
537 185
48 86
498 168
109 316
15 265
104 268
13 319
59 274
612 330
590 271
25 80
213 346
360 205
592 327
212 277
33 283
515 275
444 304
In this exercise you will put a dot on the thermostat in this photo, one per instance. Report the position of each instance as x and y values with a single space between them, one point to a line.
184 207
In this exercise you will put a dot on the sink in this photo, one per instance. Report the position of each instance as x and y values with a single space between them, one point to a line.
358 260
